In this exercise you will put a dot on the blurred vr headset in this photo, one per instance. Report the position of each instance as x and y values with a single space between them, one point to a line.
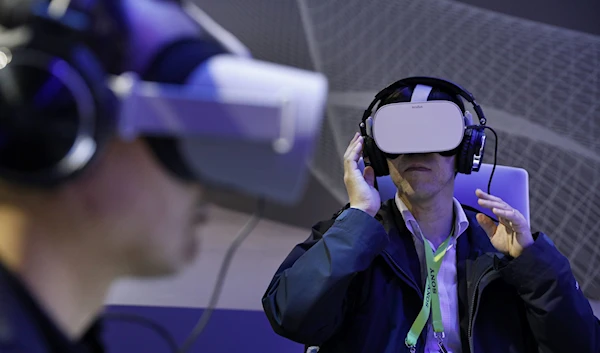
423 126
208 111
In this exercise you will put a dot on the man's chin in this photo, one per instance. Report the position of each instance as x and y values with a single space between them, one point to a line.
167 268
190 253
420 194
170 261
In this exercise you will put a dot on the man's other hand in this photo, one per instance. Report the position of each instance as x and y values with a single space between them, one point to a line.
512 235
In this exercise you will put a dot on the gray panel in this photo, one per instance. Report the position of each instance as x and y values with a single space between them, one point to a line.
271 29
579 15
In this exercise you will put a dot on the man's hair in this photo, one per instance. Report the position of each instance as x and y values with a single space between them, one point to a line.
404 95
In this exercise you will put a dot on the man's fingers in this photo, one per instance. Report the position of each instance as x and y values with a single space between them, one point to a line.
507 214
369 175
354 153
487 224
358 148
351 145
511 218
494 204
484 195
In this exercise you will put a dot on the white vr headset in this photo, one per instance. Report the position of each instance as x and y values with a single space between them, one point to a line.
423 126
418 126
239 123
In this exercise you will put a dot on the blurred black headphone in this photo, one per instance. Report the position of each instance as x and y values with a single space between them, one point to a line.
57 111
469 153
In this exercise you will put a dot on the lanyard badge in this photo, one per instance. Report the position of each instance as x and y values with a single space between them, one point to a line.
431 301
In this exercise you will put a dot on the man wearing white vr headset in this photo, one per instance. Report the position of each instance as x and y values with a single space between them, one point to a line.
421 272
102 174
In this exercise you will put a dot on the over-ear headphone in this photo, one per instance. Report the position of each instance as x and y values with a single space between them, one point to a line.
56 110
469 153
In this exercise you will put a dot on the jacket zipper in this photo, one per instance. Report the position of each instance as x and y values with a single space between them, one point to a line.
410 281
475 300
407 277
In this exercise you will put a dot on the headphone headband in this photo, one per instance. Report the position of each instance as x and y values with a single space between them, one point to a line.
445 85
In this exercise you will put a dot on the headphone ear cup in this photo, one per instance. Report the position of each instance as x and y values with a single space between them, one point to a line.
464 160
47 128
376 157
472 144
477 147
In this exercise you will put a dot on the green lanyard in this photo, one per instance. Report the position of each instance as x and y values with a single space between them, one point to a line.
431 301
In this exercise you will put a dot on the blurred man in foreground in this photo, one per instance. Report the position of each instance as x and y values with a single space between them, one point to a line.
101 181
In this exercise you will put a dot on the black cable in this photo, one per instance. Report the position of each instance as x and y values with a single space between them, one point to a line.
241 236
144 321
495 157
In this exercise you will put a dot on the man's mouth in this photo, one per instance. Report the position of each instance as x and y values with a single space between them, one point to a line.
417 168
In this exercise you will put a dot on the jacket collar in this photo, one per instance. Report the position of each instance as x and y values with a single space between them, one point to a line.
401 247
471 246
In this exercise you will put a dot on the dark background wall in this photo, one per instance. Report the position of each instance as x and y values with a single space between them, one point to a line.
578 15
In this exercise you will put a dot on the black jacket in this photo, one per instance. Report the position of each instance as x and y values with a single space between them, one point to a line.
26 328
354 286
